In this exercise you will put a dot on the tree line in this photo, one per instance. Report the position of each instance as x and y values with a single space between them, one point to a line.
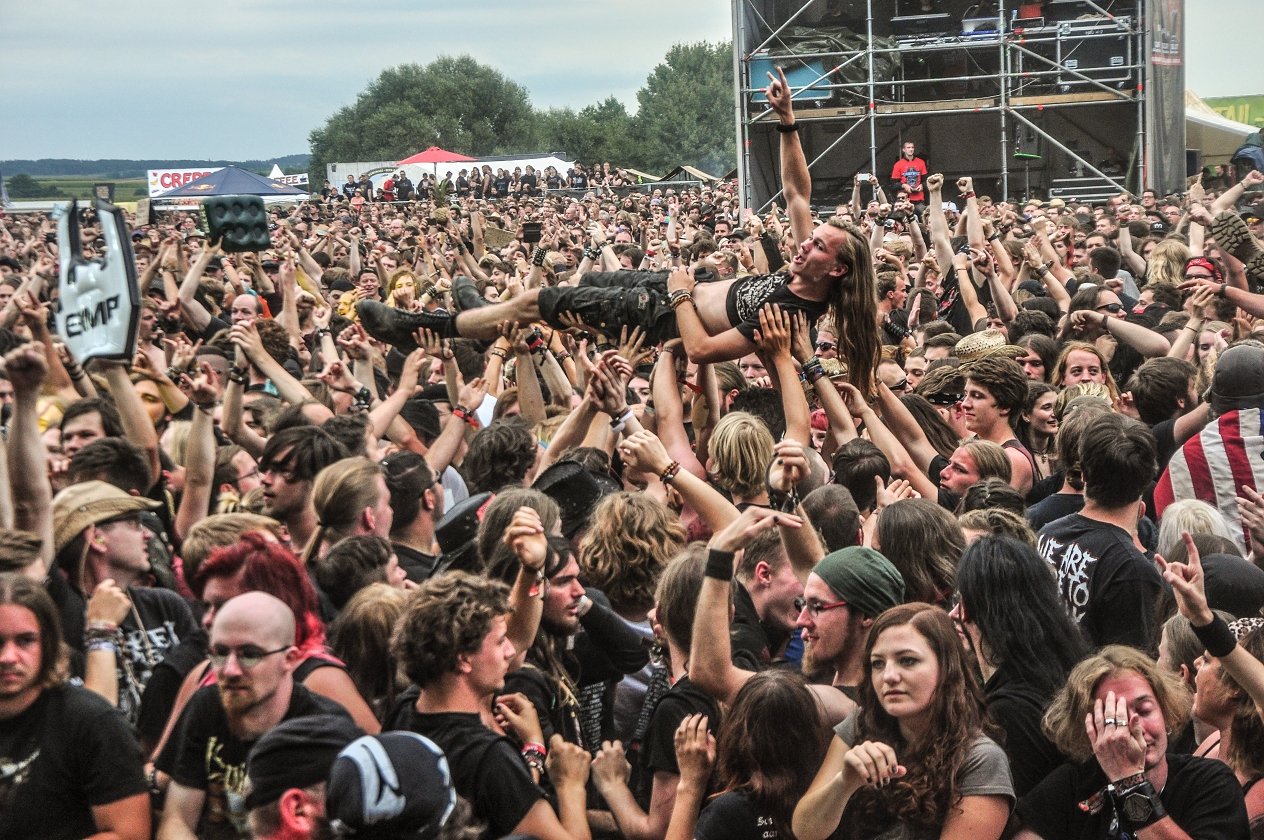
684 116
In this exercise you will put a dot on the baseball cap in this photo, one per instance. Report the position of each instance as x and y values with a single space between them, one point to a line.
863 578
1239 379
88 503
296 753
392 785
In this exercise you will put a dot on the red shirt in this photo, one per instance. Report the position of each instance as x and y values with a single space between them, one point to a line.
912 174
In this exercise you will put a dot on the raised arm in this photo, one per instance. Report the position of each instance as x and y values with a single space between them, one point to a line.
133 417
199 472
27 459
1188 585
711 652
796 181
940 240
194 312
773 338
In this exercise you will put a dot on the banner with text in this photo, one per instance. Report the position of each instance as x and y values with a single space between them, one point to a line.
161 180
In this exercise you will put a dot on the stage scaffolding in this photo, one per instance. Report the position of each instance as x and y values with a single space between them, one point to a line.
1079 99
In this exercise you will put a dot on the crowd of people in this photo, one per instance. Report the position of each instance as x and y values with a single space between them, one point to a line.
480 182
571 515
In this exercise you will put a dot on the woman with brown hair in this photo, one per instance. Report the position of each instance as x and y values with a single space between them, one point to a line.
759 772
915 757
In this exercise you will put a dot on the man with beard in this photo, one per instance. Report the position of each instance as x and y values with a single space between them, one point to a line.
68 766
845 592
254 657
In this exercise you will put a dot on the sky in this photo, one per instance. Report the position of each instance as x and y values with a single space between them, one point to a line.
249 79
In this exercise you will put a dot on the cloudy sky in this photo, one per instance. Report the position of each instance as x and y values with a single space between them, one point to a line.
242 79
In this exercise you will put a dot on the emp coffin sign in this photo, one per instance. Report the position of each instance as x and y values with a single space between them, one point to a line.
98 302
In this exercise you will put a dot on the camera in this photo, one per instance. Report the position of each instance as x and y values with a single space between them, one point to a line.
530 232
863 177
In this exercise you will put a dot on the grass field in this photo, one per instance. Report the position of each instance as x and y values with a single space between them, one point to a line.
124 190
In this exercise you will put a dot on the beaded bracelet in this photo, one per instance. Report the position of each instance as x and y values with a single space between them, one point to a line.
673 469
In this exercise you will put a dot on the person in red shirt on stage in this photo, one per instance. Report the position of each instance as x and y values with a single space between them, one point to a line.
909 173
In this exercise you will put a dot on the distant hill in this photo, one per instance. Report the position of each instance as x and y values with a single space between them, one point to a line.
51 167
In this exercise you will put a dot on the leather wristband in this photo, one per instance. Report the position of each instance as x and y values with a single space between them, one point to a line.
782 128
1216 637
1138 807
719 564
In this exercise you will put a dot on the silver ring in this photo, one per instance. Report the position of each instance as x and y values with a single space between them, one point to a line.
1110 722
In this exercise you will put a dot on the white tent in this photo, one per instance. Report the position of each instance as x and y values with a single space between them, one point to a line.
1215 136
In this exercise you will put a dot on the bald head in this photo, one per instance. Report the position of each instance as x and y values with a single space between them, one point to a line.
263 618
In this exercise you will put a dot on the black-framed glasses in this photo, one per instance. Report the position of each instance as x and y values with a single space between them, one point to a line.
248 656
825 346
815 608
1110 307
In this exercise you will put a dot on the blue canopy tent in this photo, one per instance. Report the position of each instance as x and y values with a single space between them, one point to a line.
232 181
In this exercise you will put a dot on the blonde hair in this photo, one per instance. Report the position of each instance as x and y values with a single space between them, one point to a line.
1193 515
990 460
340 493
741 450
1060 366
1166 263
220 530
1064 722
629 542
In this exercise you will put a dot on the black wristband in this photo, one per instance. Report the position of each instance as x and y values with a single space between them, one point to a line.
787 129
719 564
1138 807
1216 637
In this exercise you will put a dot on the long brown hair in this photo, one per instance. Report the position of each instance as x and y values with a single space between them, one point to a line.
753 754
855 307
929 791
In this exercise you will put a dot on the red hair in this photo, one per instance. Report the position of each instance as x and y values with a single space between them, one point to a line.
267 566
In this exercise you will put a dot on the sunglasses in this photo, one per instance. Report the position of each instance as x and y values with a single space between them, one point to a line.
825 346
1110 307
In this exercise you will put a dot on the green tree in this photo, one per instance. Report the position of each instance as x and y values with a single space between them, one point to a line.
453 102
23 186
686 110
598 132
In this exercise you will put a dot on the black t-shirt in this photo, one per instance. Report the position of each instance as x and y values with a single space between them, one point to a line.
205 755
1018 708
1109 586
749 294
418 565
486 768
167 620
732 816
1053 508
658 754
68 752
1201 796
